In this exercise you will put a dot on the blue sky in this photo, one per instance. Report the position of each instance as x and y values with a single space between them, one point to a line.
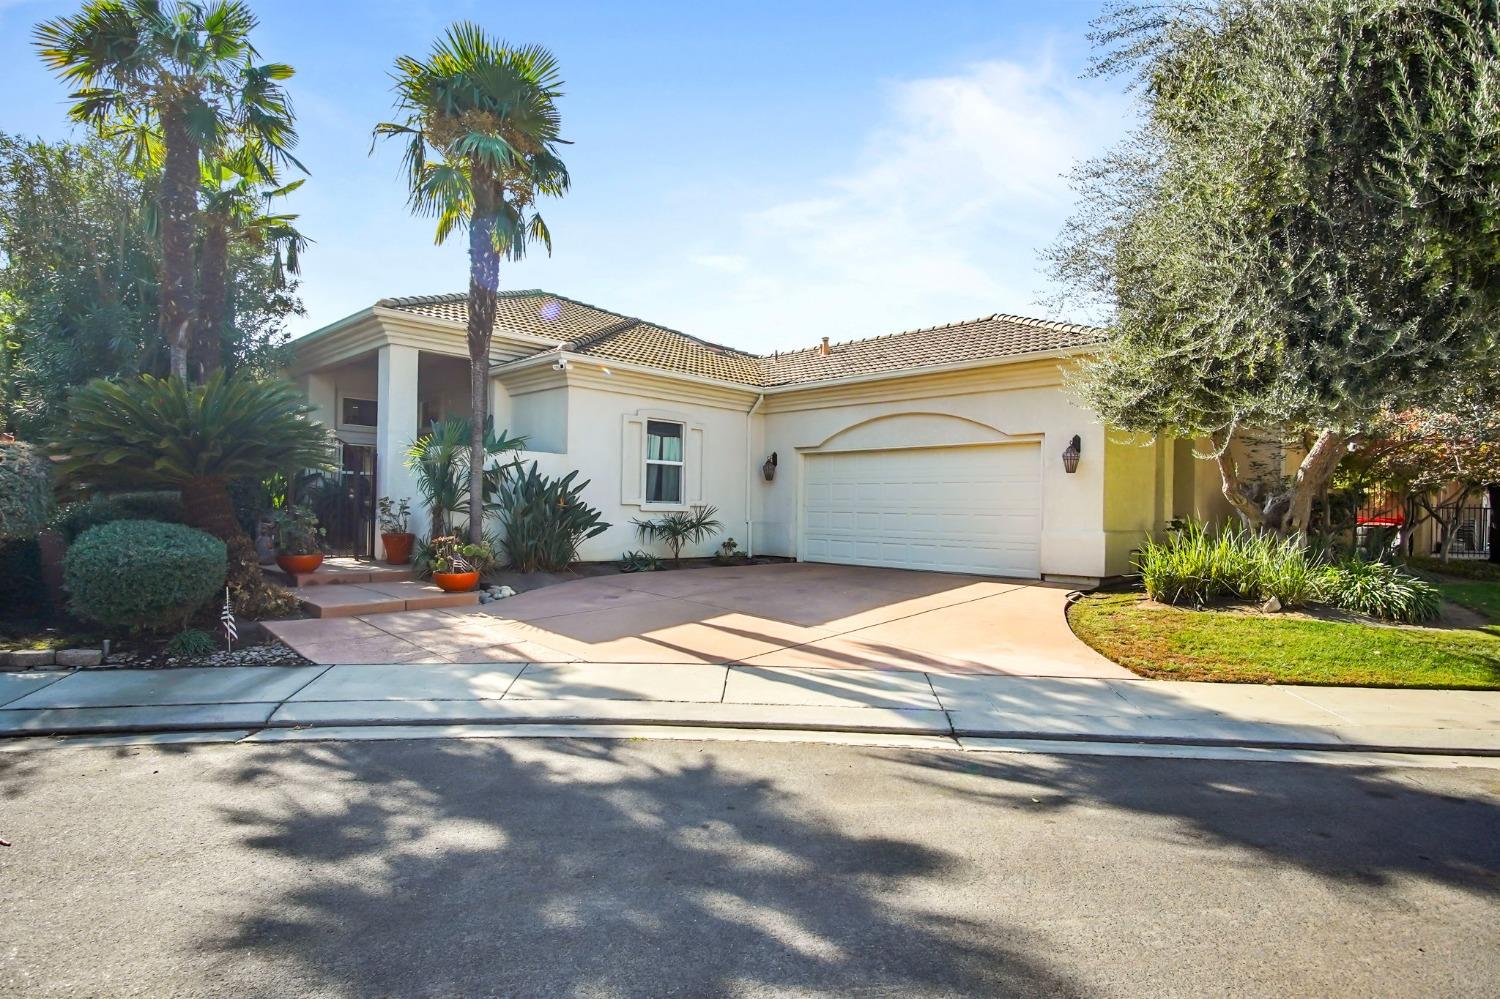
759 174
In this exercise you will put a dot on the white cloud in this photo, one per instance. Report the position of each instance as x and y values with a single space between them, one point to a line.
937 218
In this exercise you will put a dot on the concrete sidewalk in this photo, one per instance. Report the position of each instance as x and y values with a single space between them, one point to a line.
251 699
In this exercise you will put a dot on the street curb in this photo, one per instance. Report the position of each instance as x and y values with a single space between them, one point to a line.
584 718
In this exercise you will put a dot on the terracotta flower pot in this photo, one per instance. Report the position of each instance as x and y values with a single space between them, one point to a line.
299 564
398 547
456 582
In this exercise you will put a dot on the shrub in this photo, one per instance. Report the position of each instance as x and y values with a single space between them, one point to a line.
192 643
1194 567
1378 589
1461 568
25 491
143 574
545 520
677 529
75 518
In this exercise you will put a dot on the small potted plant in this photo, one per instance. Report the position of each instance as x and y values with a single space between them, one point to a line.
297 533
394 519
454 564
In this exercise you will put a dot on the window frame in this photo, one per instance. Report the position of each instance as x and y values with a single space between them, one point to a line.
680 501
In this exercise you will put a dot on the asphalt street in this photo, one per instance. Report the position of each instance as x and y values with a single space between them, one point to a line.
652 868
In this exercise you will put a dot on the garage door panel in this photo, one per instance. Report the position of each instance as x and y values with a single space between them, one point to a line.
949 509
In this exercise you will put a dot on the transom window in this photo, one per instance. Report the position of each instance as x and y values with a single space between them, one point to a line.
359 413
663 462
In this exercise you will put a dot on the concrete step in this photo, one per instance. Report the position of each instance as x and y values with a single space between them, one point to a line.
353 599
340 570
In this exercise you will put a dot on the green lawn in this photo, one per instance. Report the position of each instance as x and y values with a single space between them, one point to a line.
1172 643
1481 597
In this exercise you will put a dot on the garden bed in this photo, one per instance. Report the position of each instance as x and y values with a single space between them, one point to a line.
1242 645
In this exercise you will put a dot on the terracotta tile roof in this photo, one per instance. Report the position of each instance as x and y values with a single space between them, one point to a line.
973 340
580 328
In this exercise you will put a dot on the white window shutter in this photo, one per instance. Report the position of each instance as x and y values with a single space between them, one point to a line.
694 470
633 461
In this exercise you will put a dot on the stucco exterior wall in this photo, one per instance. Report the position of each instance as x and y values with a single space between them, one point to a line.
1017 402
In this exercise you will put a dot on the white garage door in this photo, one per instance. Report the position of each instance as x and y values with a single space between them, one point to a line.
963 509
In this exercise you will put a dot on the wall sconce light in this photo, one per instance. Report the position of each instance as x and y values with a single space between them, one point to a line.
1070 454
768 470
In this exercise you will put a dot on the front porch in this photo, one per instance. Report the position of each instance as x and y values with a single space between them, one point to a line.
377 402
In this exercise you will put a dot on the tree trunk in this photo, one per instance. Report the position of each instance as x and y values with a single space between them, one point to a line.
1312 478
178 217
213 297
206 506
484 281
1229 481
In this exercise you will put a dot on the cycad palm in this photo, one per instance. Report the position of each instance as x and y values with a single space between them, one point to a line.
162 432
176 80
482 128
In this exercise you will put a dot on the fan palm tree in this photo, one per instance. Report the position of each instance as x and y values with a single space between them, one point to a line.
441 460
482 129
163 433
176 80
235 209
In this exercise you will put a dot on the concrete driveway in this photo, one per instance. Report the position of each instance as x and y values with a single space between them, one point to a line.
799 615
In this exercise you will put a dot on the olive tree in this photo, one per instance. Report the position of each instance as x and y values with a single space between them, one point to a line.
1299 235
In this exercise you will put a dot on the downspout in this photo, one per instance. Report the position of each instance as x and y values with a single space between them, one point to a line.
750 474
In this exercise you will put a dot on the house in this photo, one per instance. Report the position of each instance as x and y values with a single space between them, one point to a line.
937 448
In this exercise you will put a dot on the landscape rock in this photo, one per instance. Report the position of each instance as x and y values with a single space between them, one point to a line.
31 658
79 658
1271 606
506 591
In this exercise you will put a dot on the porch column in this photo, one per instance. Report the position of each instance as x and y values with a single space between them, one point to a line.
395 426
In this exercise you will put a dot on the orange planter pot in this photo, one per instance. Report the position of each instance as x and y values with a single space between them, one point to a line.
299 565
397 547
456 582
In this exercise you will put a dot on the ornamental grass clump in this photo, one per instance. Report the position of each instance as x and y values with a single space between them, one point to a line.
1195 567
142 574
1379 590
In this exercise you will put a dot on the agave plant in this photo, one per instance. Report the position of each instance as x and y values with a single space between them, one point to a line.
545 520
162 433
677 529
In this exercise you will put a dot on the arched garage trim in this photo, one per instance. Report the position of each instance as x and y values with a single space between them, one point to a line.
903 431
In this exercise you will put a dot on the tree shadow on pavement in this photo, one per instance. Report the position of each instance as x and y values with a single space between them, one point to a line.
580 868
1367 826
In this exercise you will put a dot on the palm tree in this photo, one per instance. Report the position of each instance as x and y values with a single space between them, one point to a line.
482 128
440 459
176 80
235 209
163 433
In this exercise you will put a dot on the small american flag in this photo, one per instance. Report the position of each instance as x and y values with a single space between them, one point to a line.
226 616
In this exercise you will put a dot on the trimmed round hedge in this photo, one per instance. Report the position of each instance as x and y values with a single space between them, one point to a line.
143 574
25 491
75 518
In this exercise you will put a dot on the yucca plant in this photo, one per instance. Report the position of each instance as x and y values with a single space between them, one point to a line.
545 520
162 433
677 529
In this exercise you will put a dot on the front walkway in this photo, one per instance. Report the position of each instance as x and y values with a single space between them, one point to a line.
331 701
799 615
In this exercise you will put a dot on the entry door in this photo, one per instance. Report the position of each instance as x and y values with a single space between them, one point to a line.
959 509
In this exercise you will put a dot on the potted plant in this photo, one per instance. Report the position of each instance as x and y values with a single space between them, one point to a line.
454 564
394 520
297 533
